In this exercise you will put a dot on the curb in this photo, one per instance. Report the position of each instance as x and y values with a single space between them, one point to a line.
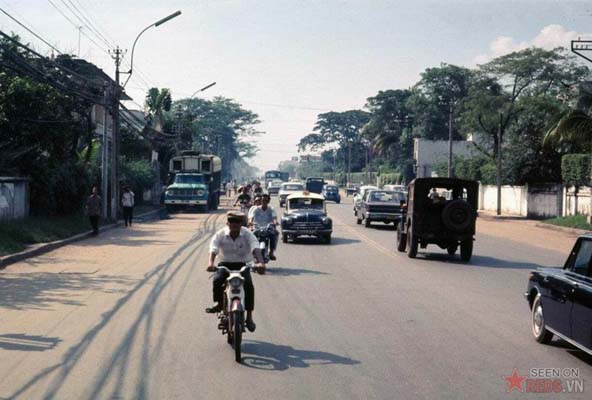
573 231
42 248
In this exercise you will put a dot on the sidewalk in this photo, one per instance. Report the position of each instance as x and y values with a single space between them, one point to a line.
526 231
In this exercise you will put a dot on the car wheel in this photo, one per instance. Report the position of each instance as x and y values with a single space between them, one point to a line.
338 201
328 239
539 328
358 220
284 238
452 250
412 244
466 250
367 222
401 239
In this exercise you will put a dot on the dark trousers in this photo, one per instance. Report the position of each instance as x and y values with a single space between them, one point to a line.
128 214
94 222
220 282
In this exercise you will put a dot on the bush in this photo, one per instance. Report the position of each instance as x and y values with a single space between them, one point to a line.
575 169
140 175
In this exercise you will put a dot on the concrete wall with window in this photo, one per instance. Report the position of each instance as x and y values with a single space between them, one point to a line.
14 198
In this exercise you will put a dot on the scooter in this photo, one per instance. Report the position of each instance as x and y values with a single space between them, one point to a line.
232 318
264 237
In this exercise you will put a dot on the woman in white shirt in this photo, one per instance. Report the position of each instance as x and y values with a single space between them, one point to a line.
127 202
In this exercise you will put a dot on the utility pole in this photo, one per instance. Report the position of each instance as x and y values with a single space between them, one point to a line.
499 165
105 153
79 32
115 172
450 172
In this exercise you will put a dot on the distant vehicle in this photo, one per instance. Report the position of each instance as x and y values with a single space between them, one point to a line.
331 192
306 215
352 189
432 218
399 188
288 188
381 206
314 184
275 175
274 187
359 195
561 299
196 182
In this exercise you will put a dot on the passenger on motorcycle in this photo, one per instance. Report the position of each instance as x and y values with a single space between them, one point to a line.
245 201
257 189
236 246
256 203
263 216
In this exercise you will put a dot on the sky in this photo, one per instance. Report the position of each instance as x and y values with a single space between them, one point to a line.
289 61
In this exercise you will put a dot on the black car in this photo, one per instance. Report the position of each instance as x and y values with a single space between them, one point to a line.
561 299
306 215
381 206
314 185
440 211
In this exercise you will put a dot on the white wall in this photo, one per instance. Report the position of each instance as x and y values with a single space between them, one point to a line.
14 198
429 152
582 201
514 199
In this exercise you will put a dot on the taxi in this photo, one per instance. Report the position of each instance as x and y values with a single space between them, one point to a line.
306 215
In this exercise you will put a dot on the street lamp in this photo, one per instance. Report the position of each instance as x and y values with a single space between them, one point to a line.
156 24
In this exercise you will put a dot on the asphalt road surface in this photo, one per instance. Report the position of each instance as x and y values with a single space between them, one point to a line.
121 317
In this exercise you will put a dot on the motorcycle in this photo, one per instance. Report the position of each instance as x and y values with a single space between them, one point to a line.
263 234
245 206
232 318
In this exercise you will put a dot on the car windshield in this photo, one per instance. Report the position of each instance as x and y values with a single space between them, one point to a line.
292 187
189 179
331 188
308 203
387 197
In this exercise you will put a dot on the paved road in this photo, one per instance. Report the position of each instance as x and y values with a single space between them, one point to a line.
120 317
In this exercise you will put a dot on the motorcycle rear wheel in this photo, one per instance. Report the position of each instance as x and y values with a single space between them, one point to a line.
237 327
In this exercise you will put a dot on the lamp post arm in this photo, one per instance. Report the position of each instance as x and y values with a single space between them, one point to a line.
129 73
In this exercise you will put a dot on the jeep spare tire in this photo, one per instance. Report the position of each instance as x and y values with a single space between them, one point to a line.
457 215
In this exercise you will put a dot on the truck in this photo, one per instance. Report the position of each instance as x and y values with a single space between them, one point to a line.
195 182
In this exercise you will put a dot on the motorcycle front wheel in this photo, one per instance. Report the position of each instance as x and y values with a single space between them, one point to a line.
237 327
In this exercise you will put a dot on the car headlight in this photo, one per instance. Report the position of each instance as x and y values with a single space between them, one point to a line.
200 192
289 221
326 221
236 282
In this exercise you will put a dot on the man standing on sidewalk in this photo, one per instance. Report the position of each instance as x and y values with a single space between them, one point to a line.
127 202
93 209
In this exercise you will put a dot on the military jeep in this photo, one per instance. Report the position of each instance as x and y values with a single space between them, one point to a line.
440 211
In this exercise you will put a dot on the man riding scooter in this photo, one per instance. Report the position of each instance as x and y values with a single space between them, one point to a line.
263 216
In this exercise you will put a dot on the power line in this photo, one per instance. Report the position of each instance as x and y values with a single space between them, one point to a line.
29 30
91 25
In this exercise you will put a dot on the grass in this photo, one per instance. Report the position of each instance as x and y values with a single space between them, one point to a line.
16 235
573 221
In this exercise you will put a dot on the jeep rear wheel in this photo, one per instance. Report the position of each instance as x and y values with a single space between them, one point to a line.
412 244
401 238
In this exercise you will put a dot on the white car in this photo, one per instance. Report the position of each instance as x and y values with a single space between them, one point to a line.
288 188
273 187
394 188
358 196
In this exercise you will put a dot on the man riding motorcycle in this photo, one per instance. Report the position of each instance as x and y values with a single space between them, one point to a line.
256 203
245 201
236 246
263 216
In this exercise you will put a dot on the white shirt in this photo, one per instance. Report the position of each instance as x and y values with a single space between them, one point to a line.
127 199
263 217
250 213
234 250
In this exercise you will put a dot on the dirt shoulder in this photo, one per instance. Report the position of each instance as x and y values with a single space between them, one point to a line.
525 231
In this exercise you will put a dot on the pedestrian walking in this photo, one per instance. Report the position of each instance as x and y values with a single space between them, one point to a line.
127 202
93 210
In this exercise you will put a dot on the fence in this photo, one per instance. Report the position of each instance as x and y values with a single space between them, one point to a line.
541 201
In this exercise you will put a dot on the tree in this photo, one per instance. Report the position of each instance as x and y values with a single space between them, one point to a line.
336 128
158 101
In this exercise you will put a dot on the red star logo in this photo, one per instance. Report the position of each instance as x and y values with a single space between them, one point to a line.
515 381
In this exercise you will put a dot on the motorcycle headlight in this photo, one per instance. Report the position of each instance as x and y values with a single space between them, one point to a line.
236 282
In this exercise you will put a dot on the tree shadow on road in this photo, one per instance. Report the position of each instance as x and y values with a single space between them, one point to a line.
478 261
274 357
40 290
286 271
24 342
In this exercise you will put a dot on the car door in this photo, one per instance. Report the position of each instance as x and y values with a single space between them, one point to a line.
581 314
559 288
363 202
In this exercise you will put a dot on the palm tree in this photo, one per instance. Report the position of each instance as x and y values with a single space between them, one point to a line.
157 103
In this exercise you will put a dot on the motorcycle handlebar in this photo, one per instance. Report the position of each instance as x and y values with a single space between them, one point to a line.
248 265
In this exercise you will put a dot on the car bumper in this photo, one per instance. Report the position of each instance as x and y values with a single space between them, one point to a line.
383 216
307 232
186 202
